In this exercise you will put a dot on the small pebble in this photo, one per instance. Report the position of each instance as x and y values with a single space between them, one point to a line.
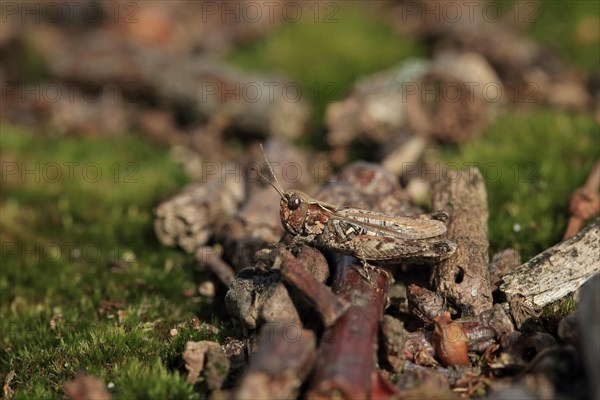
173 332
207 289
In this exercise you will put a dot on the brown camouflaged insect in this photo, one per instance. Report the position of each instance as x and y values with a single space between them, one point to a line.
364 234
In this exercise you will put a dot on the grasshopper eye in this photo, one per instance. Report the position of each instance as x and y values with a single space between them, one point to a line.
294 202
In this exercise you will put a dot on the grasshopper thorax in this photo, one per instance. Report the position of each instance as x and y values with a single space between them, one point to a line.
294 210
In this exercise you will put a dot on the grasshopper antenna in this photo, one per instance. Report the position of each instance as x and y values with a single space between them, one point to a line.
278 188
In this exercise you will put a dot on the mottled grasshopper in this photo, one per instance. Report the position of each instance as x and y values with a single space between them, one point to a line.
364 234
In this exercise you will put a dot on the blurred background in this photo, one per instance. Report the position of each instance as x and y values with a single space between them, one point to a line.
109 108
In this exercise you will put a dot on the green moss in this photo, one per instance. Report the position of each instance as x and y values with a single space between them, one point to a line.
560 25
532 162
325 54
138 380
548 317
59 287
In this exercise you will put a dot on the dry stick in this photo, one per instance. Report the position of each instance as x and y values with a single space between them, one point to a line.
329 306
348 349
585 202
556 272
208 255
464 278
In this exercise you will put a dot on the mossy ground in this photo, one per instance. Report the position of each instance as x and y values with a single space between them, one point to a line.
66 307
61 291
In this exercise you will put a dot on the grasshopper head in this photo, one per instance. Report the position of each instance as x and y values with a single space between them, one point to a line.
293 211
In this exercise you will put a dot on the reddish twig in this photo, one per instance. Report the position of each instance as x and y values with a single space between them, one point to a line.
348 349
585 202
329 306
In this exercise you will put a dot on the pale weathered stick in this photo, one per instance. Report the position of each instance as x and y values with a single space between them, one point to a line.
558 271
464 278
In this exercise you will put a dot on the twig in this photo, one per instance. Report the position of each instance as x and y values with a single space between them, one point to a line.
585 202
329 306
347 354
208 255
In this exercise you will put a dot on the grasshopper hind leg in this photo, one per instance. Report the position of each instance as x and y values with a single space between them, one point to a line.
363 268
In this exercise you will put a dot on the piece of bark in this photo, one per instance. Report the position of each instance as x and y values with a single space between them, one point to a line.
502 263
479 336
425 304
585 202
556 272
188 219
393 337
194 357
464 278
419 349
485 327
347 354
209 256
589 327
284 359
206 359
